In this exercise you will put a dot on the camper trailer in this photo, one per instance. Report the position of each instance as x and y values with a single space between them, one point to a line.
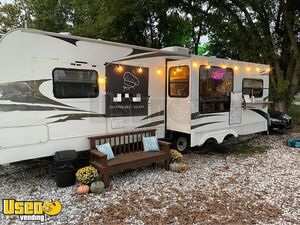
58 89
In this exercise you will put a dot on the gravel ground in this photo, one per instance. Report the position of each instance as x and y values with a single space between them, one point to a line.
217 189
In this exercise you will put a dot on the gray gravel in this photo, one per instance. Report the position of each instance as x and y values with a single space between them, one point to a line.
218 188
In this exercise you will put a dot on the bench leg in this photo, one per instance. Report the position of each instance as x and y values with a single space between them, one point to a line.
105 180
167 165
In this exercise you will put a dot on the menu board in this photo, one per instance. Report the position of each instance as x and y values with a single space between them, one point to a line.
235 116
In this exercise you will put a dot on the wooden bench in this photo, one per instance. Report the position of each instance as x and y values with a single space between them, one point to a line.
129 152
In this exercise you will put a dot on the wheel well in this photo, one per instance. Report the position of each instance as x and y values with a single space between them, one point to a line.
211 141
228 136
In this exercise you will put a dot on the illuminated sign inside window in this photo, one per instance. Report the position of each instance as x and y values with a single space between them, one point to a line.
217 75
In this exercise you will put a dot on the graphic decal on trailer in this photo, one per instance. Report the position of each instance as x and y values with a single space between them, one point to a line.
126 90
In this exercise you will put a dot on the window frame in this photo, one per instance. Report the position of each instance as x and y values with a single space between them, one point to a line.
188 82
73 69
232 88
254 88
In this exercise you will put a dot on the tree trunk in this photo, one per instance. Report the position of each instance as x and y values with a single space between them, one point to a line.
281 106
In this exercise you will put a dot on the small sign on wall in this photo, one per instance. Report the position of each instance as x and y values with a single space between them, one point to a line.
126 90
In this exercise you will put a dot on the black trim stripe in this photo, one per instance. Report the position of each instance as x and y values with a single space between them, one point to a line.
197 115
161 113
204 124
262 113
79 116
153 124
69 40
22 107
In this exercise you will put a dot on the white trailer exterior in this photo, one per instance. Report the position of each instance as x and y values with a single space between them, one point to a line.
54 94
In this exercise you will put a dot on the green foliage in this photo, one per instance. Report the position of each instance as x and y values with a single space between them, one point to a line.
10 17
202 49
87 175
51 15
294 112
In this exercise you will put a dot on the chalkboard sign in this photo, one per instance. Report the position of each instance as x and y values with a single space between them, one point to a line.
126 90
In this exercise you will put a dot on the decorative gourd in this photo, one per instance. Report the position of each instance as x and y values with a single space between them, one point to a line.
175 167
97 187
184 167
83 189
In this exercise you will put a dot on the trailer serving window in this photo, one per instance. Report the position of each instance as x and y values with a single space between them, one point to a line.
179 81
216 85
74 83
253 87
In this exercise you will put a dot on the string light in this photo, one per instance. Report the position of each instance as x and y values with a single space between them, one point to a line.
248 69
101 82
224 66
208 67
257 69
140 70
236 68
159 72
195 64
268 70
120 68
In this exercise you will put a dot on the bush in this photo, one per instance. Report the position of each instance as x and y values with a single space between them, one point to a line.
87 175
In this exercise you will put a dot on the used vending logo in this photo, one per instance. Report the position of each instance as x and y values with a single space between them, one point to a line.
31 210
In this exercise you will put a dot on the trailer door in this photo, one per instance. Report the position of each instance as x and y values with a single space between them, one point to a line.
178 96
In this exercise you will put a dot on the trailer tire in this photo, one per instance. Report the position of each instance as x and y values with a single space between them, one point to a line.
181 143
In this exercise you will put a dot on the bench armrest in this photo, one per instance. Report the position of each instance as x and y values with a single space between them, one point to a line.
164 146
98 157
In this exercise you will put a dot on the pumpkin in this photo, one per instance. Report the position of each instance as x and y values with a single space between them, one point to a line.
83 189
184 167
175 167
97 187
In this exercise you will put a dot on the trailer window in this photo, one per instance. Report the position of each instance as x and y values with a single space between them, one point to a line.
253 87
216 84
179 81
73 83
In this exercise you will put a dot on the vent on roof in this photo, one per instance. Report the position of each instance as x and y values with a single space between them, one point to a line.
177 49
